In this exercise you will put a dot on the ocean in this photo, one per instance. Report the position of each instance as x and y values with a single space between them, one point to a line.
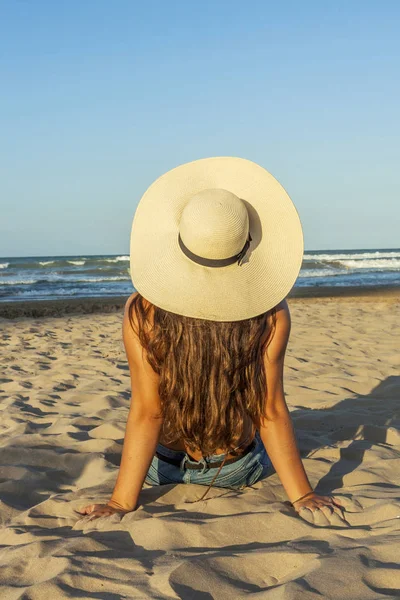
101 276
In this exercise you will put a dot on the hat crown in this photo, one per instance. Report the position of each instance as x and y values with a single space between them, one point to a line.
214 224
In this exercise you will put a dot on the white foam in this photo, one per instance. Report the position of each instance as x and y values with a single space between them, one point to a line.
46 262
17 281
4 265
95 279
76 262
117 259
319 273
379 263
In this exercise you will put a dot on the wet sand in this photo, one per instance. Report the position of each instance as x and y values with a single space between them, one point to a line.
60 307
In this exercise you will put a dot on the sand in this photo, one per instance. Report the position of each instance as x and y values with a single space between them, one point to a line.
65 392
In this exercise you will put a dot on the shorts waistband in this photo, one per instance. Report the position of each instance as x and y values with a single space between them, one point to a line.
211 465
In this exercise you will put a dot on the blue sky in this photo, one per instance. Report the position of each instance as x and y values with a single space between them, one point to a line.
100 98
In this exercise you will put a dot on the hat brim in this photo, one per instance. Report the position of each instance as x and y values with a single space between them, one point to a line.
165 276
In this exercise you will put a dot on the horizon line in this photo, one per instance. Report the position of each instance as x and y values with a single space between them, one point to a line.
82 255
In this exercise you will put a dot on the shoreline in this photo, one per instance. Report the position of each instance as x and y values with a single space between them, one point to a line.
62 307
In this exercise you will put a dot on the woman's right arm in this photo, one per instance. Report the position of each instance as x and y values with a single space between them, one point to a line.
278 435
276 427
143 424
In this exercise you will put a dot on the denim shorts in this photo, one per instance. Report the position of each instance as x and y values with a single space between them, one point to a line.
246 471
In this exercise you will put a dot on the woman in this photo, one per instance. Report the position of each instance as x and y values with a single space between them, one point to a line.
216 245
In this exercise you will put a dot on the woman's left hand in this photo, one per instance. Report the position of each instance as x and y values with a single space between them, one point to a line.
321 510
100 510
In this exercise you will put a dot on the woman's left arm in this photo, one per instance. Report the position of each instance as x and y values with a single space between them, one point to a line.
143 427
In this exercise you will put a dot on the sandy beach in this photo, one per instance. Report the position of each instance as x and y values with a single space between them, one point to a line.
65 393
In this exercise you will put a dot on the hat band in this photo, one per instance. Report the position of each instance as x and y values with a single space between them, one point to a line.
215 262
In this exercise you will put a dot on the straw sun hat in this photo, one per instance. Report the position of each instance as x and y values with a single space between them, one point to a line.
216 239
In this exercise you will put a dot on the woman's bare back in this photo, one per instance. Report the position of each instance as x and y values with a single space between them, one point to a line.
245 439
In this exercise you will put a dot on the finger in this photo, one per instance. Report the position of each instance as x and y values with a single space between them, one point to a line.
102 513
337 516
95 515
313 505
321 519
338 520
331 517
325 501
83 510
306 514
338 503
94 507
330 506
350 504
327 509
339 510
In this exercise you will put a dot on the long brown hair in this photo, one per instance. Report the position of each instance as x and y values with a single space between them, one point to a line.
211 373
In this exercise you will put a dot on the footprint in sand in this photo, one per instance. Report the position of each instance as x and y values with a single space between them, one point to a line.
47 355
63 387
26 384
44 366
19 369
48 402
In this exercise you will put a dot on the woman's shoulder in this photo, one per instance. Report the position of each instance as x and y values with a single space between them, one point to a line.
130 317
277 347
283 314
132 297
128 304
282 307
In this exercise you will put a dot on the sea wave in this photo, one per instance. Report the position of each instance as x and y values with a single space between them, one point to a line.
315 264
96 279
117 259
79 263
356 255
4 265
377 264
17 281
46 262
319 273
54 279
